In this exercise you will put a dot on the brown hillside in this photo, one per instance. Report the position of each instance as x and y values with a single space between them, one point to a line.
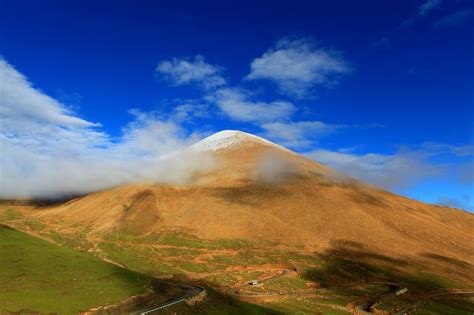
264 192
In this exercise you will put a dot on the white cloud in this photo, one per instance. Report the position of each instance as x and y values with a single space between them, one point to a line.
446 150
428 6
239 106
398 171
454 19
21 99
47 151
273 169
405 168
462 202
148 134
298 134
188 111
297 66
32 118
191 71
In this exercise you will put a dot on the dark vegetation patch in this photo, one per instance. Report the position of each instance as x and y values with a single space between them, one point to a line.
350 269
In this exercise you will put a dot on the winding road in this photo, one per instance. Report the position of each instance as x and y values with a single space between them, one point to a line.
393 288
190 291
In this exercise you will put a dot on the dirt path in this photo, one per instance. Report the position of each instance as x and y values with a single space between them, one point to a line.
235 291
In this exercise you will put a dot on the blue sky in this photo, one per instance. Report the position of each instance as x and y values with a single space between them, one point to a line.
381 90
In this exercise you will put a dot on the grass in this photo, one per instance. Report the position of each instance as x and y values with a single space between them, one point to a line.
220 304
178 253
75 240
179 238
456 308
187 240
35 226
337 271
246 257
192 267
137 259
294 305
38 276
286 284
225 279
10 214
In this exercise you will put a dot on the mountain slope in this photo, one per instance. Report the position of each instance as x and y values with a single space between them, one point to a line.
40 277
262 191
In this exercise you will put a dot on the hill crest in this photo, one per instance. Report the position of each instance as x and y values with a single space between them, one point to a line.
228 138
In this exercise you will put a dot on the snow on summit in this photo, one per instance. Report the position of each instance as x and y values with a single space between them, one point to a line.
227 138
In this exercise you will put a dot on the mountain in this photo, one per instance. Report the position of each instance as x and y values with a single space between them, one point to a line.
261 191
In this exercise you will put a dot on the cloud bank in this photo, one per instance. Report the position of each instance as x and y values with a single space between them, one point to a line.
406 167
48 151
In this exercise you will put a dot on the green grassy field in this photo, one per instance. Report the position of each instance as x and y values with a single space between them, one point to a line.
219 264
38 276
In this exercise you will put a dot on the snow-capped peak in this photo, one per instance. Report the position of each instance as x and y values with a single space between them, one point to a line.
227 138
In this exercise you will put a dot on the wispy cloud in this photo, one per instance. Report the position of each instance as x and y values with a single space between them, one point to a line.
427 6
422 11
462 202
406 167
238 105
401 170
299 134
454 19
190 111
191 70
21 99
298 66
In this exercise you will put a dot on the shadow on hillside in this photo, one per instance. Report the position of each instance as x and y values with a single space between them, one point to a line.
449 260
349 264
350 261
219 303
249 195
40 203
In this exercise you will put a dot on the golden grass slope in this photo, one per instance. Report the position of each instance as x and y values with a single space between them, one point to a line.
308 205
